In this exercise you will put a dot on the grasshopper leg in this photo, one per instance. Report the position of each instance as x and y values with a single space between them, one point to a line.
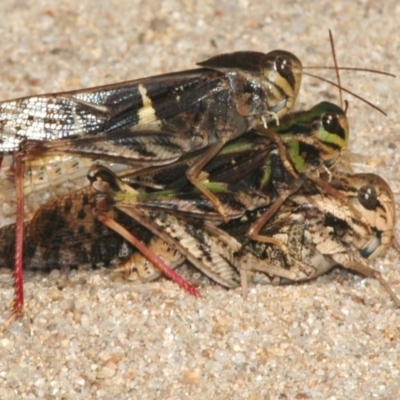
19 238
151 256
193 176
139 269
368 272
254 230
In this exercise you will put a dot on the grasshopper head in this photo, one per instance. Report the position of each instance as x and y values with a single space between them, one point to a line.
374 199
282 72
330 127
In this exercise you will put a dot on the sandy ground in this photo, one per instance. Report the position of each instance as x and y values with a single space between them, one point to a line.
334 338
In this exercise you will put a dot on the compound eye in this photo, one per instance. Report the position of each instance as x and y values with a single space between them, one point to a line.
330 122
284 66
368 197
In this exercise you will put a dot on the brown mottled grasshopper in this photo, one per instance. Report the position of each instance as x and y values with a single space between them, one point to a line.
309 235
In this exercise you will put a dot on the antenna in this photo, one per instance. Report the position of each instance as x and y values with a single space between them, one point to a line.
339 84
336 67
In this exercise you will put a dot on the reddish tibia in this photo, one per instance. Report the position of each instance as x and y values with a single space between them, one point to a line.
19 237
153 258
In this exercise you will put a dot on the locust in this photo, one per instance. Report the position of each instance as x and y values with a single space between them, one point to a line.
312 233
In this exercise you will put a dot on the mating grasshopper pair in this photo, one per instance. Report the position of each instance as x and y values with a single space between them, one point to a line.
157 121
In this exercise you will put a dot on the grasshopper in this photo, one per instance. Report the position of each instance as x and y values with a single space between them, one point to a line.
311 233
